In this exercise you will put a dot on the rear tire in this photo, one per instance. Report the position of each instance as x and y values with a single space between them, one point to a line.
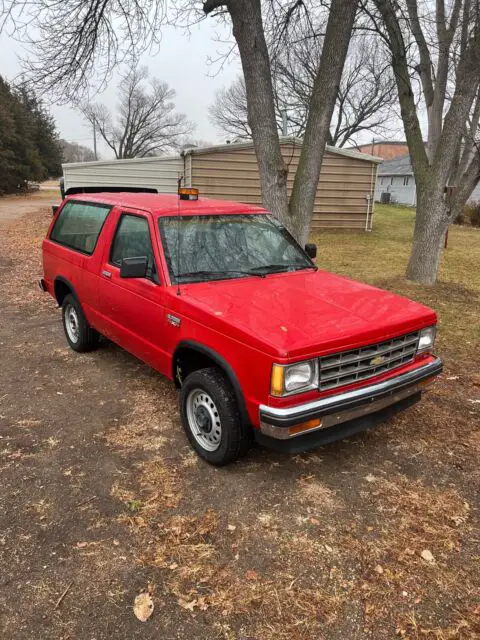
211 417
80 336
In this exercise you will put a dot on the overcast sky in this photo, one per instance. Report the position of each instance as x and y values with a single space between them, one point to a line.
181 61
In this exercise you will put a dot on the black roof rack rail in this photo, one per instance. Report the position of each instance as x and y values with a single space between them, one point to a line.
75 190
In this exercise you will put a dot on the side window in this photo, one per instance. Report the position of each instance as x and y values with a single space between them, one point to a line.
132 240
79 224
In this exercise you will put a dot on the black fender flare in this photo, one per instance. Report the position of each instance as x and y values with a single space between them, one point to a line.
223 365
70 286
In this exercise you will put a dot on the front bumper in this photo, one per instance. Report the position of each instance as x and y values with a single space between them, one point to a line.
275 423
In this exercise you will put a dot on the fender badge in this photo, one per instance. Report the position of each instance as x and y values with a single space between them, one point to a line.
173 320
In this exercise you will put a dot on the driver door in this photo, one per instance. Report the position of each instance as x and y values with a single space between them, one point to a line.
134 308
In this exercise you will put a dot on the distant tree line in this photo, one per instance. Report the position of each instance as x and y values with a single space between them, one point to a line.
30 148
74 152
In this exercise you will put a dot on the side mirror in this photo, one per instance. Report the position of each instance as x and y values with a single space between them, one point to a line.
311 250
134 267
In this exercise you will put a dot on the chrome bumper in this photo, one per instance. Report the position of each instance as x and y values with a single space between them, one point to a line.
336 409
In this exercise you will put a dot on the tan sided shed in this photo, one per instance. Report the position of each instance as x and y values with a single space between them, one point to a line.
344 195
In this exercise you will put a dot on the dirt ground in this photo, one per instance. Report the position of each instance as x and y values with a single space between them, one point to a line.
101 497
14 207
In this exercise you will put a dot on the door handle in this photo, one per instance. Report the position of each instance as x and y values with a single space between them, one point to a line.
106 274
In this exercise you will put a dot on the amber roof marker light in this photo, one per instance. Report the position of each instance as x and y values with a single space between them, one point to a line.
188 193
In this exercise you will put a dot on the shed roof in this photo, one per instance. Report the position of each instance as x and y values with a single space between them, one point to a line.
115 161
396 167
248 144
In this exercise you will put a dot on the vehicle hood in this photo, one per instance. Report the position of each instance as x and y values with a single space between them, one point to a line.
305 313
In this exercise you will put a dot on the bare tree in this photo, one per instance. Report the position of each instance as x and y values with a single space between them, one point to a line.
146 123
74 152
443 52
365 99
229 111
73 45
365 96
71 40
249 33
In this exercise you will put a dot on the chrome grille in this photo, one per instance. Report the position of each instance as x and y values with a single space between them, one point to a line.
348 367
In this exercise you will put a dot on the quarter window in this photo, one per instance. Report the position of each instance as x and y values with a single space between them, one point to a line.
132 240
79 224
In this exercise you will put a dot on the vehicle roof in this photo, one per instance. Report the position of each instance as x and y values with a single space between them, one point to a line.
168 205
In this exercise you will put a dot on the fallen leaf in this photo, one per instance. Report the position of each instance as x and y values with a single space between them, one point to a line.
143 606
379 569
370 478
231 527
328 548
251 575
82 545
187 605
427 555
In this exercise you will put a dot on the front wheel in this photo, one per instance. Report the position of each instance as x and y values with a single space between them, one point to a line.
211 418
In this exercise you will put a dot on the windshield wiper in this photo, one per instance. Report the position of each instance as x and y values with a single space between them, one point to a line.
276 268
209 274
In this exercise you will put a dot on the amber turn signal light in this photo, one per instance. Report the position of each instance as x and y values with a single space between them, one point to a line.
305 426
276 387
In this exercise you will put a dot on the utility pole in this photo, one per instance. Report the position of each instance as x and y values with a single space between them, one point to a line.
284 123
95 140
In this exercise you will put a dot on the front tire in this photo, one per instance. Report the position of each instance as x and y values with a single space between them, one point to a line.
211 418
80 336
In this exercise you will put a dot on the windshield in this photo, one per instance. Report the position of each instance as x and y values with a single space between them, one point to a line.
199 248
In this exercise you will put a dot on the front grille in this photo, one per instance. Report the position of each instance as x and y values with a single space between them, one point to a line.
348 367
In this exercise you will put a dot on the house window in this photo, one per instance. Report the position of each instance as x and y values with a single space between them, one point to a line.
405 181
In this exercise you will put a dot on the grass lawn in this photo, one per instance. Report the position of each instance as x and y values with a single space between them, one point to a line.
381 257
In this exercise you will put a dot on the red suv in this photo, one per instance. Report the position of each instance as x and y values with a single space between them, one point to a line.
219 297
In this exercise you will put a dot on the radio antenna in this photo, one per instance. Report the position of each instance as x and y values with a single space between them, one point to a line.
178 234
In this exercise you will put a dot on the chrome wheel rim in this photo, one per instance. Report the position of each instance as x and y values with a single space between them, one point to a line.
204 420
71 323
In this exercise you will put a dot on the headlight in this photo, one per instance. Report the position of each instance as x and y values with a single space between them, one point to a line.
426 339
294 378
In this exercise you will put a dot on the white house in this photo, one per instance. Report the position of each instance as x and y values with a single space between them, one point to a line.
396 178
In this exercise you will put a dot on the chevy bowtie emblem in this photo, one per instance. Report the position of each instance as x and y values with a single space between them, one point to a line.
377 360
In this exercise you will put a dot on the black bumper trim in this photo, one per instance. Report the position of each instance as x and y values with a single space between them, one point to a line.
321 437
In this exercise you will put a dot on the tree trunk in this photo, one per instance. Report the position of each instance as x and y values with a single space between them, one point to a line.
429 236
322 104
431 178
466 183
248 32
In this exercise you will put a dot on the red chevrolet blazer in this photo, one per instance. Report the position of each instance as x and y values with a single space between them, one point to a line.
219 297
